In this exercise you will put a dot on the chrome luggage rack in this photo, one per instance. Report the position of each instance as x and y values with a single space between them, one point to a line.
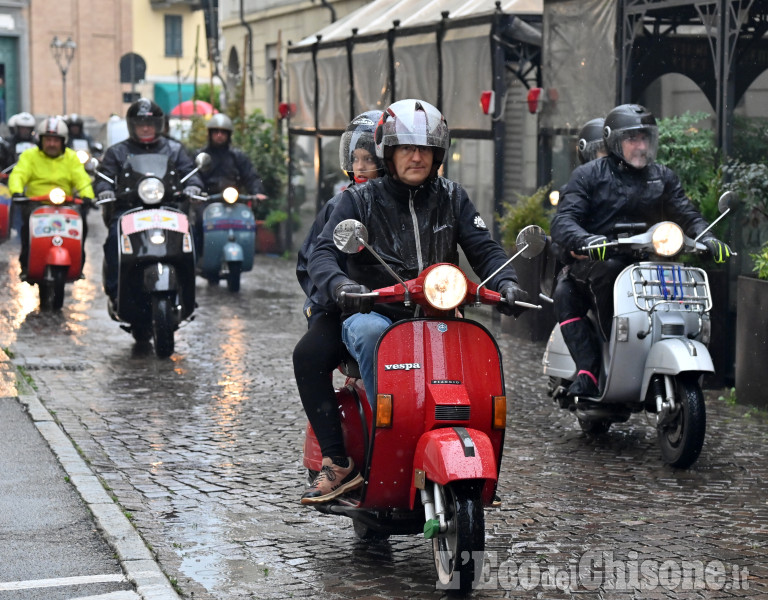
686 288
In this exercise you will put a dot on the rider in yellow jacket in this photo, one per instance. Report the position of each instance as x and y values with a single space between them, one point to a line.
41 169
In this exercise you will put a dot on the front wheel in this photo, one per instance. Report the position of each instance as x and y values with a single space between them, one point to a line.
681 435
52 288
162 326
458 551
233 276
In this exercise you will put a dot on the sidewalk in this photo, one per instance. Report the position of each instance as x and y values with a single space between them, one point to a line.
61 534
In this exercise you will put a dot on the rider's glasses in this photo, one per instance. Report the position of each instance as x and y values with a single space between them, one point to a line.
410 149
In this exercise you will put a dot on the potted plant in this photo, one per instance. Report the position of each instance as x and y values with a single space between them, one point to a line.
750 182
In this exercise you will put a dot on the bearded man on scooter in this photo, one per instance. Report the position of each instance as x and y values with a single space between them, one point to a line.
41 169
415 218
627 186
146 122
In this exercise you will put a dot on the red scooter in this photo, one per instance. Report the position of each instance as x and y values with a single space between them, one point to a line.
55 245
430 448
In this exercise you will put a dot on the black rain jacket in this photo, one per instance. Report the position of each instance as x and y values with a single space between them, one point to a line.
230 167
117 154
411 228
604 192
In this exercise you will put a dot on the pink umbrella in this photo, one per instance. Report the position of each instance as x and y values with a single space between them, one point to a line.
190 107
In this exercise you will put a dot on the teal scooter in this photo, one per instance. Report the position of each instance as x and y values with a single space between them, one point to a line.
229 238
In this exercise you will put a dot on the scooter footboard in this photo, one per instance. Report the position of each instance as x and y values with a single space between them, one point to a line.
455 453
676 355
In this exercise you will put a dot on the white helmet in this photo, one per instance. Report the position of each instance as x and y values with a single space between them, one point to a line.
412 122
23 119
52 126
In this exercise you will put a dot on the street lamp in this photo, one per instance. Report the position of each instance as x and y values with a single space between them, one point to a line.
63 52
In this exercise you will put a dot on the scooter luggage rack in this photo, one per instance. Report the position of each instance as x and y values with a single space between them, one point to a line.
687 288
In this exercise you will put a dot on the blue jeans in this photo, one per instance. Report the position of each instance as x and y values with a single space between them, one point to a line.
360 332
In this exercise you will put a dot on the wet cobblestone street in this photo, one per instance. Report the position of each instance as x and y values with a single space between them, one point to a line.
203 451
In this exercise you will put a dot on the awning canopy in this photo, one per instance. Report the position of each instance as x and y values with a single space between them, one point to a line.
446 52
379 16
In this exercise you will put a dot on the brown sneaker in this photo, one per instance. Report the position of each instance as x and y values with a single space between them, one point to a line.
332 481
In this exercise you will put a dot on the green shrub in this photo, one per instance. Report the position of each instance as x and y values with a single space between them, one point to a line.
528 210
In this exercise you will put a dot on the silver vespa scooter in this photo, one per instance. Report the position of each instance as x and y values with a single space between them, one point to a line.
657 351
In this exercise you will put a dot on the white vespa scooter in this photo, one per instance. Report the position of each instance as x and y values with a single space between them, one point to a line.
657 351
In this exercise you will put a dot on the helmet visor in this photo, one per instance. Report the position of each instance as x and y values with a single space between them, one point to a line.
356 140
637 146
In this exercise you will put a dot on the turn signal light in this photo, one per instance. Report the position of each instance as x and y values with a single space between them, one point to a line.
499 412
384 410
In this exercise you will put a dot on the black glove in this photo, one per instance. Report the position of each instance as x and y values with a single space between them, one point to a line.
106 195
350 304
192 190
597 246
512 292
720 251
18 195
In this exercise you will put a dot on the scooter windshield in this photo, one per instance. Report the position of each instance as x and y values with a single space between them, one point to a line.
147 165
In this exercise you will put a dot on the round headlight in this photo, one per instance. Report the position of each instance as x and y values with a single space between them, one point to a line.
230 195
445 287
667 239
83 156
57 196
554 197
157 237
151 190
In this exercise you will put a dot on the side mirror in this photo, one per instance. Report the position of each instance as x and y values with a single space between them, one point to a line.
350 236
532 240
203 161
729 199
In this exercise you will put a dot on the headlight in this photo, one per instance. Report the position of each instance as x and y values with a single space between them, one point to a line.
554 197
157 237
445 287
151 190
83 156
667 239
57 196
230 195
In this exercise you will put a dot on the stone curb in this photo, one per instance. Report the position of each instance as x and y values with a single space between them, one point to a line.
136 560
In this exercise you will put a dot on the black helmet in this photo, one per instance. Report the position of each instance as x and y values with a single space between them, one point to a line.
591 140
359 134
627 120
144 111
412 122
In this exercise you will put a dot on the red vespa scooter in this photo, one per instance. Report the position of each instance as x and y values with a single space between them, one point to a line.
55 245
429 445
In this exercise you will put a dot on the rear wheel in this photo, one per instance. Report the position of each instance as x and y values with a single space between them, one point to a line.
52 288
364 532
458 551
681 434
162 326
233 276
596 427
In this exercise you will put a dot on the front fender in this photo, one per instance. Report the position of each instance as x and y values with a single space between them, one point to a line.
160 277
452 454
233 252
676 355
58 256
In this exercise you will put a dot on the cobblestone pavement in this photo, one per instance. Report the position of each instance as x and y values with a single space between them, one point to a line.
204 452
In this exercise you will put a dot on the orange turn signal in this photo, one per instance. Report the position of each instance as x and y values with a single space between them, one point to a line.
499 412
384 410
